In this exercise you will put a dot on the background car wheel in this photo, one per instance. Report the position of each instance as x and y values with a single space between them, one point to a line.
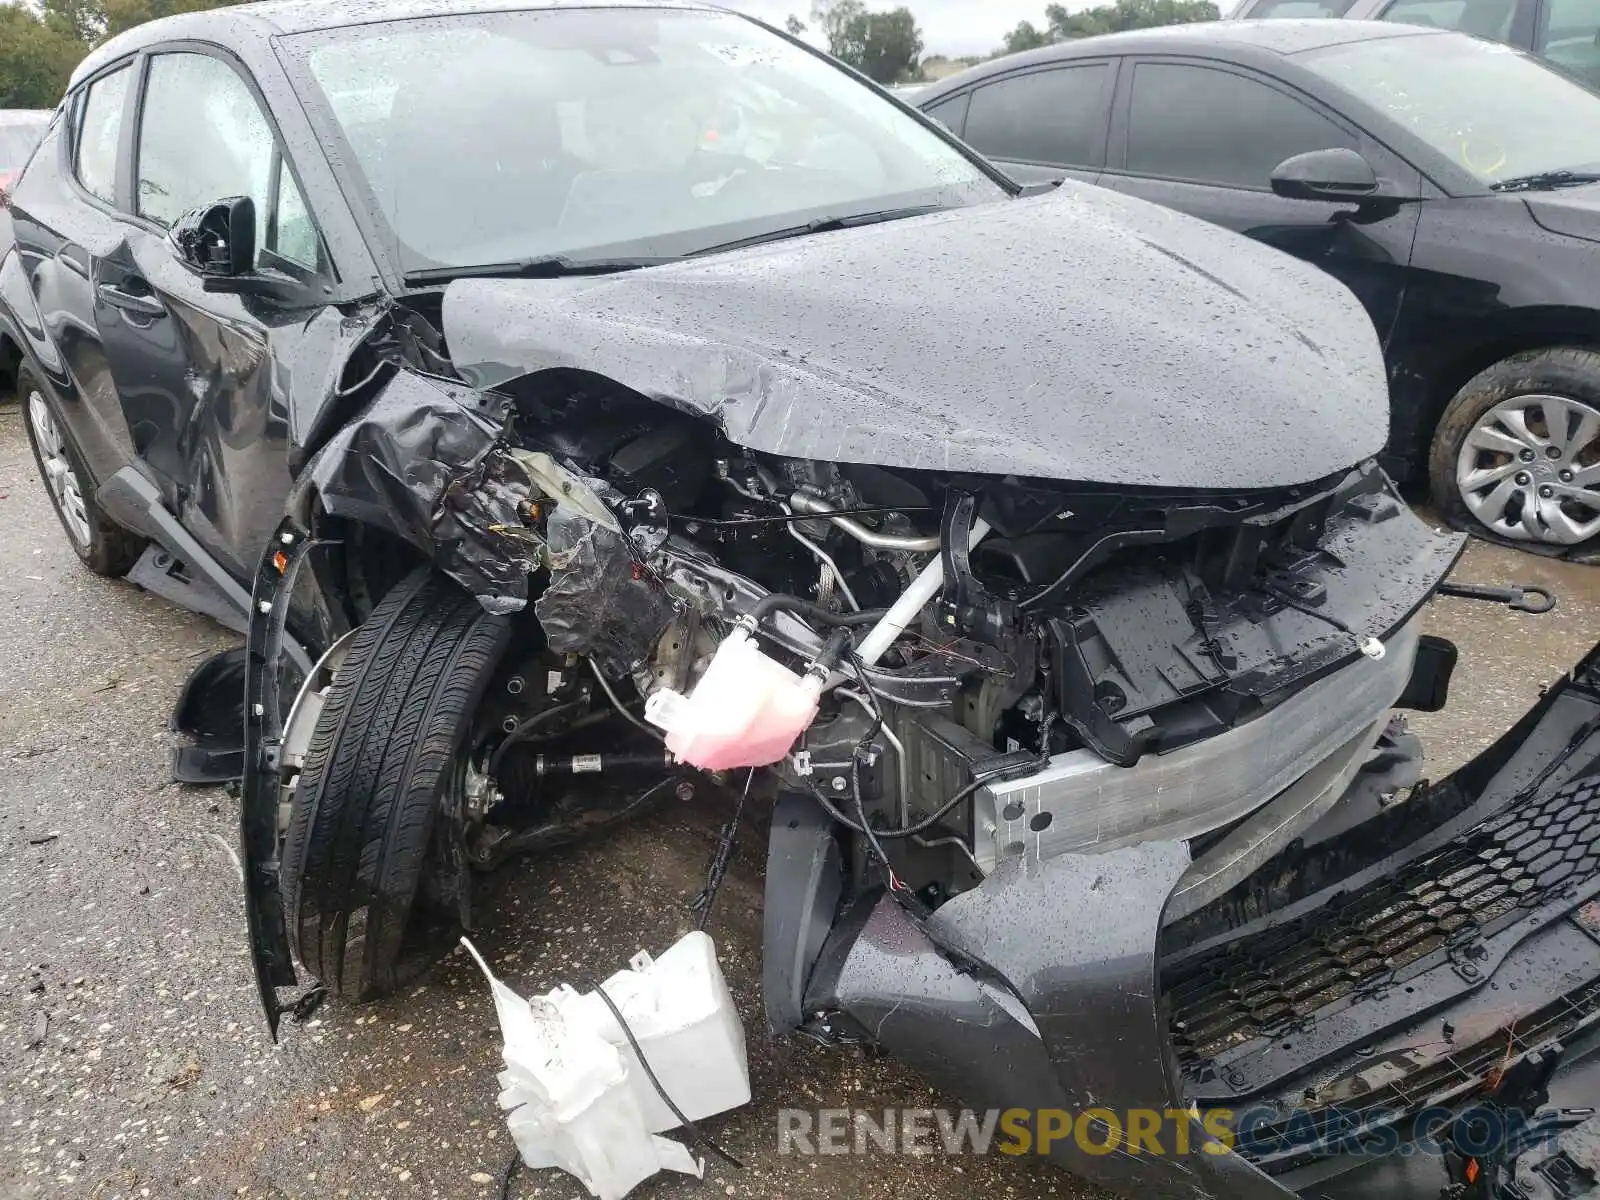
103 545
1517 451
390 743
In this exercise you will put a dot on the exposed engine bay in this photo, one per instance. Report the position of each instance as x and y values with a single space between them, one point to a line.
980 710
962 669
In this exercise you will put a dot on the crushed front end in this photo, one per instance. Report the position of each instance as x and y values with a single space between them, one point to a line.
1084 796
1200 877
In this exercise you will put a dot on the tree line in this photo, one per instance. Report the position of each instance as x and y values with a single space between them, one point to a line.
1061 25
39 49
887 46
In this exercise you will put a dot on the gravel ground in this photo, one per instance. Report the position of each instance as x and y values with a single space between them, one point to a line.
134 1061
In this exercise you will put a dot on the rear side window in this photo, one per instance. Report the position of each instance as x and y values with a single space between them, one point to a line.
950 113
1483 18
1055 116
1205 126
100 132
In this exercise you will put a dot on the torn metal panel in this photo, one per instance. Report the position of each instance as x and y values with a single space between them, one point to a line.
867 346
310 372
425 462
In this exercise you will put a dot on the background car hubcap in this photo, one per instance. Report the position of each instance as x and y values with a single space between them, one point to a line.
58 472
1530 469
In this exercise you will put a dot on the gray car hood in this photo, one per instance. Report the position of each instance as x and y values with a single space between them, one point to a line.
1077 336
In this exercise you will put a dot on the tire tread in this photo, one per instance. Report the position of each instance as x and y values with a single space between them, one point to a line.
393 723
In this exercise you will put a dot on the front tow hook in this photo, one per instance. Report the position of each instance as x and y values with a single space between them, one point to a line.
1519 597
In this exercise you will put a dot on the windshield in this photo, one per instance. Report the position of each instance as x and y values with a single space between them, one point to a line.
1489 108
18 136
586 133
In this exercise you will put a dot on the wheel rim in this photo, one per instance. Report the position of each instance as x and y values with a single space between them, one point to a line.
1530 469
59 475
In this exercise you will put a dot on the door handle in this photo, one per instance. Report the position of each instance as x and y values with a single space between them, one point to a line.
132 302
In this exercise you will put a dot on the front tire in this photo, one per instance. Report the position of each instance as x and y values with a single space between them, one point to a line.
1517 452
103 546
387 749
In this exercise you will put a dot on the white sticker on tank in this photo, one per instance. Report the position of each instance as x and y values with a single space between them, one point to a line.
585 762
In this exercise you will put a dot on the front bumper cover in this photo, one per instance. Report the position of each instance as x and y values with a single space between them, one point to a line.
1059 984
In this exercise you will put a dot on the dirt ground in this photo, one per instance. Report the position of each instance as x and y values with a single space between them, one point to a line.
134 1061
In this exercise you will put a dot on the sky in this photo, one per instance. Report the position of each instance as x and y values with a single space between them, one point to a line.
949 27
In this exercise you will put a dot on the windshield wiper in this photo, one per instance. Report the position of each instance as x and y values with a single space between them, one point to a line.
821 225
1545 181
548 266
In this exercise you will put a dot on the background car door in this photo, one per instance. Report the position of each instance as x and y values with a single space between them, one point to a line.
1205 139
1040 124
192 367
1567 35
1494 20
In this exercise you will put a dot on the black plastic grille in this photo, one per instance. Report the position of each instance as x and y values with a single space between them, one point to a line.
1446 1081
1271 983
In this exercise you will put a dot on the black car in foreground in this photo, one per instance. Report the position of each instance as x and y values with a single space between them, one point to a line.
1450 183
1051 609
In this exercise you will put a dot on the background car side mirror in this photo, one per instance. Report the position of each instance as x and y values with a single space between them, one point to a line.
218 240
1335 174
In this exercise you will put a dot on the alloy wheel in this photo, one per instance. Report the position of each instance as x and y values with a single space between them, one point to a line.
59 475
1530 469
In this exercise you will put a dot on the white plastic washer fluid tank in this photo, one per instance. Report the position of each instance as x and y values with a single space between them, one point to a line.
575 1095
680 1010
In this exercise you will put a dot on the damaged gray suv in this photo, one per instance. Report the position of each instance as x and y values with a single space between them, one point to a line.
578 406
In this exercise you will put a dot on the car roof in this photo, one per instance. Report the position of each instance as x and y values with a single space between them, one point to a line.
1241 40
25 116
274 17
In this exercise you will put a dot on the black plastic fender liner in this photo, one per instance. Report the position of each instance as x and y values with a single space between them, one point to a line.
1054 1005
805 878
266 647
209 721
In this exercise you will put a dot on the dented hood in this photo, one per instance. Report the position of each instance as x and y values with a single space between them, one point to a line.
1077 336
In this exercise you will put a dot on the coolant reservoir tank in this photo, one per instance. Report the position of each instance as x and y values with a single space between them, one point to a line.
745 711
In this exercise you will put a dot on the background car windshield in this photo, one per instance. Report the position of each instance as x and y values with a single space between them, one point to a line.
1492 109
493 137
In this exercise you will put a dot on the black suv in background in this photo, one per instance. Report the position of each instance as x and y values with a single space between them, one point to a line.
1448 182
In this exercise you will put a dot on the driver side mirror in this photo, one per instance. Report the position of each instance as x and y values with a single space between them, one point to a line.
1338 175
217 241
